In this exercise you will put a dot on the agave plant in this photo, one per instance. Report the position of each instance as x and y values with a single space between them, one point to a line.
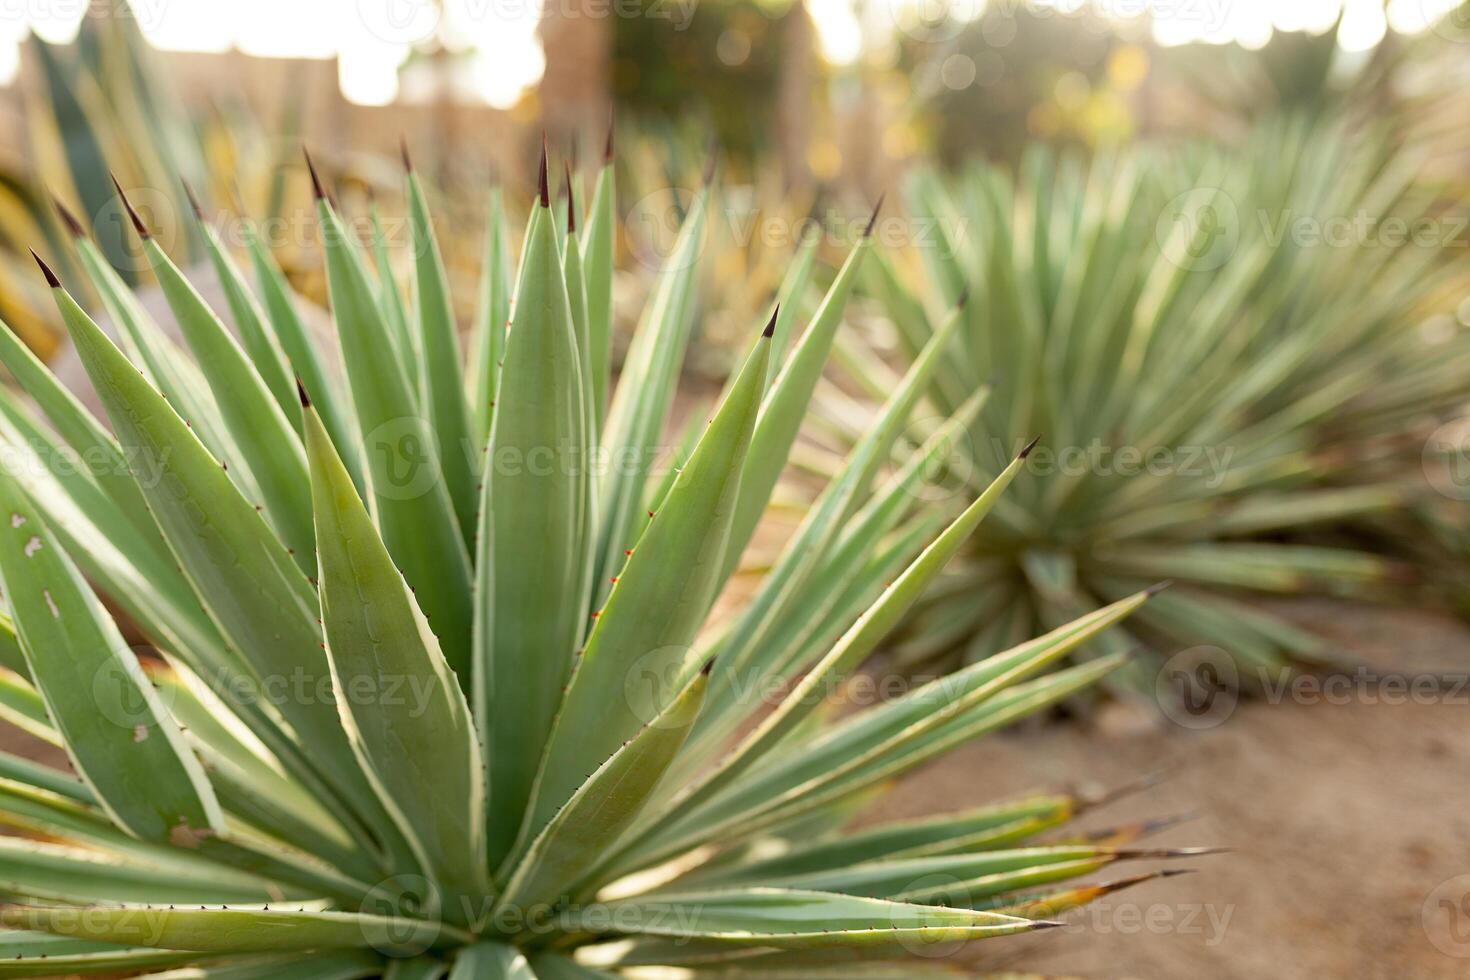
1224 348
417 689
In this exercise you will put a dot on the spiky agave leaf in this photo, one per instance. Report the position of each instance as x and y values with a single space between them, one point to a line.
376 752
1207 372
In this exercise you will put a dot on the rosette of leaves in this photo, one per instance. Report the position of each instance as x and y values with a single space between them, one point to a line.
1234 354
420 687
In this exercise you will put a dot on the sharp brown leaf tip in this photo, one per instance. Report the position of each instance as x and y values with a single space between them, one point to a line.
868 231
1158 587
607 150
1046 924
51 279
67 218
403 152
1133 786
1118 884
194 204
1029 446
709 666
963 298
770 330
1165 853
571 202
138 225
542 187
301 393
316 181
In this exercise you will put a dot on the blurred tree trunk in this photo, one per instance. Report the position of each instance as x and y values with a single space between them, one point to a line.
794 95
575 92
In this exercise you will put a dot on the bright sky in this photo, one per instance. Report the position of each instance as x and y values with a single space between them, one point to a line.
373 37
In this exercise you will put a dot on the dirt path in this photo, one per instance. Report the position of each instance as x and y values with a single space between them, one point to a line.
1345 819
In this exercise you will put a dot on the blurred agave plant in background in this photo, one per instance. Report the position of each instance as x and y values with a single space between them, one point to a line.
424 691
1224 347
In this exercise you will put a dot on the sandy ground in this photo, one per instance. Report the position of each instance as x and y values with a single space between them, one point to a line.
1349 823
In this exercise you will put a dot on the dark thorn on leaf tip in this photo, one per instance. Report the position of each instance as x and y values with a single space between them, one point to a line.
770 330
709 665
1029 446
541 186
1046 924
571 201
301 393
403 152
868 231
1158 587
316 181
67 218
138 225
194 204
962 299
607 150
51 279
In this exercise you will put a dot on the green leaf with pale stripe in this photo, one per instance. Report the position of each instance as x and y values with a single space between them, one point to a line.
441 378
599 241
407 718
77 876
855 645
791 919
408 499
250 322
221 930
532 566
77 427
119 737
302 350
490 961
675 569
251 588
390 300
579 836
155 354
41 954
264 435
785 406
644 395
492 317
